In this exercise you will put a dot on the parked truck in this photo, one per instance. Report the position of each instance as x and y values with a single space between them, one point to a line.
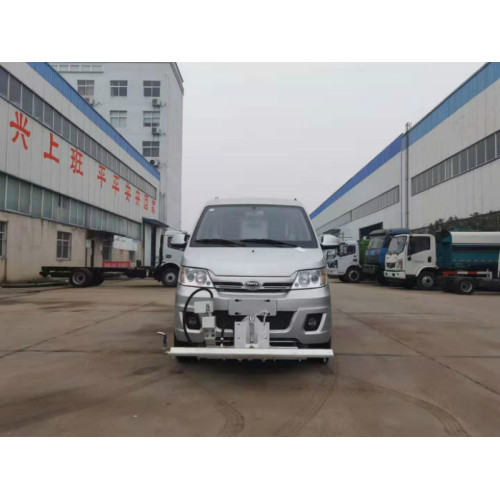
459 261
342 258
374 264
166 271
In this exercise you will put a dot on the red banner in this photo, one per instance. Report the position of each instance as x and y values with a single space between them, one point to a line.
115 263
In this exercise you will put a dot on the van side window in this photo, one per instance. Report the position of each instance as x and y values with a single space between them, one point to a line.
419 244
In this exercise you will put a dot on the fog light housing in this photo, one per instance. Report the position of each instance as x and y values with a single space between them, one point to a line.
312 322
192 321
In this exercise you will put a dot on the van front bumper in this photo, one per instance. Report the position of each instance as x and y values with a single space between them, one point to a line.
292 307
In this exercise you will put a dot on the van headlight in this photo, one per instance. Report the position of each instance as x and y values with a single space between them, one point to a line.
193 276
311 278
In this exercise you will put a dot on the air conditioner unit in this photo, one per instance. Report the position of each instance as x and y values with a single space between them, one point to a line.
156 130
90 100
156 102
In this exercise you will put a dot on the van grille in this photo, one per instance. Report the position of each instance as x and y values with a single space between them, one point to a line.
238 286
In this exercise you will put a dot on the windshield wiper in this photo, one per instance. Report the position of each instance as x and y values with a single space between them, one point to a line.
220 241
268 242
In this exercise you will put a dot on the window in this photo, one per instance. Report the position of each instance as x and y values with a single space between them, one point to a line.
151 118
36 201
119 88
57 122
419 244
25 197
48 115
471 153
3 182
118 118
481 153
462 167
4 80
63 245
38 108
151 148
27 104
86 88
13 194
131 255
490 148
15 91
107 245
151 88
3 240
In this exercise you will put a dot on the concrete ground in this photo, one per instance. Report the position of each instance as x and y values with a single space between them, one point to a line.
88 362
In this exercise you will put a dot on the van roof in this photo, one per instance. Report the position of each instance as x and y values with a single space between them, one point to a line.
254 201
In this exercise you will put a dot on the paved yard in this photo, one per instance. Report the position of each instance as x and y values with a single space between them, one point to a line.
88 362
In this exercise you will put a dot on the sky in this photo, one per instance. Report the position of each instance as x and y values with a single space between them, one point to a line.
297 130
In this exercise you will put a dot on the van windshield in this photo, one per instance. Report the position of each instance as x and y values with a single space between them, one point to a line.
376 243
397 244
254 225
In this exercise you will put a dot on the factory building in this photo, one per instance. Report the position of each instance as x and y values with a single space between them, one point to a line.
446 165
144 102
73 190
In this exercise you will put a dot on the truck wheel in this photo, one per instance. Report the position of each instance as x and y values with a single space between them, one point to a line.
426 280
169 277
465 286
81 278
353 275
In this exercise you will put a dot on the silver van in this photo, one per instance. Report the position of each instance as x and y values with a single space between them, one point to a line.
253 284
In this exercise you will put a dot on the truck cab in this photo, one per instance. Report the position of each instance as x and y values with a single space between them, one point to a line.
168 270
411 260
343 262
377 249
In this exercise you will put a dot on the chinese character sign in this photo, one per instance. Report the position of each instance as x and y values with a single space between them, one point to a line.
116 183
53 145
76 161
128 192
101 174
146 200
137 198
20 126
153 206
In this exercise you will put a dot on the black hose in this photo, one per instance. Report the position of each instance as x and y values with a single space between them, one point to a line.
186 306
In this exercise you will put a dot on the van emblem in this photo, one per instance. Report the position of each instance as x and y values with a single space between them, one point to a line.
252 285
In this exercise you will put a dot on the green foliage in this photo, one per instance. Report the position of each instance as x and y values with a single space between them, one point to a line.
476 222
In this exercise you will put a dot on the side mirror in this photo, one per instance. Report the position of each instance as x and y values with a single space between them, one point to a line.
178 241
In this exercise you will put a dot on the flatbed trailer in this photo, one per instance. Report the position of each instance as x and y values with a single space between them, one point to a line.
81 277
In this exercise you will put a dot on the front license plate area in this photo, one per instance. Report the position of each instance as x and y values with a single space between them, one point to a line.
251 307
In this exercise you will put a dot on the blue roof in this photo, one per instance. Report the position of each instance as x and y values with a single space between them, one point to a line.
58 82
479 81
383 157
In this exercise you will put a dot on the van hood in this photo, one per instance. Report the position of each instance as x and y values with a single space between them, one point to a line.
253 261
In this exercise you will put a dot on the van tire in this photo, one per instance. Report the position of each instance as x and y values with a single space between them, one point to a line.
426 280
81 277
169 277
353 275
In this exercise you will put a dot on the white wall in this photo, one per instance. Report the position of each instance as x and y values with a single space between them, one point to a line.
171 111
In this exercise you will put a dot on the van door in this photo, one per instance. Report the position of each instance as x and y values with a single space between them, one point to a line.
419 254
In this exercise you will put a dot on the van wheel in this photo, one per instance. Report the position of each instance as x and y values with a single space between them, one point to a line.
81 278
465 286
169 277
426 280
183 359
353 275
